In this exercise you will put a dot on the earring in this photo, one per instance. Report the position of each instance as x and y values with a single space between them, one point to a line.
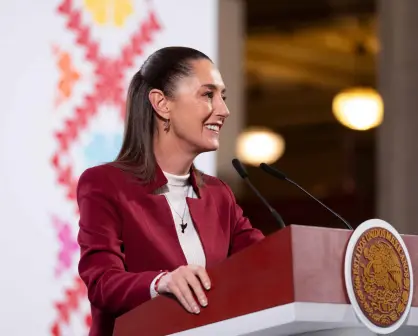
166 125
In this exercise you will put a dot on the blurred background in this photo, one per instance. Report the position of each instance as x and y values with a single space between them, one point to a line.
332 85
324 90
301 57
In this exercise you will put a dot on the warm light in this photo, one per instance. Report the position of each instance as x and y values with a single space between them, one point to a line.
258 145
358 108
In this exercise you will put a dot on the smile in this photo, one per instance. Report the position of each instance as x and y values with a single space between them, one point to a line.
213 127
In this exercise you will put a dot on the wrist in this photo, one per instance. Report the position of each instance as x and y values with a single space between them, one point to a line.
157 286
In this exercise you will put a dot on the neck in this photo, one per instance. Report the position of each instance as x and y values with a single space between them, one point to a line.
171 157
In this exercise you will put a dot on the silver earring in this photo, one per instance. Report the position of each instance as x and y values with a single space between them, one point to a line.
166 125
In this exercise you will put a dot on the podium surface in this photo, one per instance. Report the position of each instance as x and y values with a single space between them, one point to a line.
290 283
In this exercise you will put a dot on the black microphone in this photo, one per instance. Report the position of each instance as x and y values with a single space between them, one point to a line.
244 175
277 173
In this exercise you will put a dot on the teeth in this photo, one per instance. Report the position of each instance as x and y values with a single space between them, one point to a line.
213 127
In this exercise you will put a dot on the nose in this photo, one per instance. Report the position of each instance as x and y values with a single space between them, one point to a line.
222 109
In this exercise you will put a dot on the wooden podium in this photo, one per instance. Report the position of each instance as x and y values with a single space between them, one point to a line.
290 283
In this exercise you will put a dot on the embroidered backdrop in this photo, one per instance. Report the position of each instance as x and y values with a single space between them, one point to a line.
65 66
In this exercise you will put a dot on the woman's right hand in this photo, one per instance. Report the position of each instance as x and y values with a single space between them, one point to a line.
182 281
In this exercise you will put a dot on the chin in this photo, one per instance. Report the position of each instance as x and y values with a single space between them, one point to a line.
208 147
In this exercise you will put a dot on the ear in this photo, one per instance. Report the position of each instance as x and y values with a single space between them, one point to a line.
160 103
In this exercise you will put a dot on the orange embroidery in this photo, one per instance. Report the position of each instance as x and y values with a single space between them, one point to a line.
68 76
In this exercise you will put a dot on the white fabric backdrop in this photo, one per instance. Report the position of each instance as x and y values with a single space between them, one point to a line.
64 71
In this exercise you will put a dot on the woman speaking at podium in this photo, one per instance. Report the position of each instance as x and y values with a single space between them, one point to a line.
150 222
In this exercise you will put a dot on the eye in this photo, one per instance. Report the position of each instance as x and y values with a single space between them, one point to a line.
209 94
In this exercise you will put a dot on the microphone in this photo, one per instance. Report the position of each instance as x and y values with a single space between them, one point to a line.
277 173
244 175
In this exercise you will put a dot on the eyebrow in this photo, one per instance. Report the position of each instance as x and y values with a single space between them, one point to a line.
214 87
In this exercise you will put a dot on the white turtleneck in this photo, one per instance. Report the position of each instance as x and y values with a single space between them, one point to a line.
175 191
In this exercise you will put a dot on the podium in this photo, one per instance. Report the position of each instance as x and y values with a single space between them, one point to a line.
290 283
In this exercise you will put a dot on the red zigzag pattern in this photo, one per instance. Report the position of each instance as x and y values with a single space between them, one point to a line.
108 88
69 305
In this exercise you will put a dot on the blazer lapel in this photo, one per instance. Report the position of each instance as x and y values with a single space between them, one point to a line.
162 228
206 219
204 213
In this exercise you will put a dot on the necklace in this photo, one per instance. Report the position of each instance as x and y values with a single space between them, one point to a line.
183 225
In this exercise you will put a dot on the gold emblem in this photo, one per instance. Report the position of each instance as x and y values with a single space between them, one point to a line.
380 277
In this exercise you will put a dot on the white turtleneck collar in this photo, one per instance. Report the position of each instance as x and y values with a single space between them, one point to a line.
177 180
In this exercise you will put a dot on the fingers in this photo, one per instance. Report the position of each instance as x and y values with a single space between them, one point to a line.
203 276
183 285
194 283
185 281
175 290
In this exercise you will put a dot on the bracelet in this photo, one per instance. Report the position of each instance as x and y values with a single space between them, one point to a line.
158 281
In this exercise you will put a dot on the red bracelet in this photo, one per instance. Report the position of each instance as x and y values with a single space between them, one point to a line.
158 281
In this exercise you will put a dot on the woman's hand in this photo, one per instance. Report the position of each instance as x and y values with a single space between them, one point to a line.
181 281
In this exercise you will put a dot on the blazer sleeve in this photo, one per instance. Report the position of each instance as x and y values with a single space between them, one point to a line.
110 287
243 234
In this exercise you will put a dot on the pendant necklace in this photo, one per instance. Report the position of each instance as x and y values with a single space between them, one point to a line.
183 225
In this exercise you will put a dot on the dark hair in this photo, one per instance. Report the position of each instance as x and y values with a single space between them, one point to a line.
160 71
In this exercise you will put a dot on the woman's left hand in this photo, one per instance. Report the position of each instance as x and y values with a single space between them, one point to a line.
181 281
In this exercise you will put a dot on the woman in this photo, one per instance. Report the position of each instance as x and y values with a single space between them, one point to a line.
150 223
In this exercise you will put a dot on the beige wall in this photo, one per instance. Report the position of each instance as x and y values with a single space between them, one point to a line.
231 63
397 155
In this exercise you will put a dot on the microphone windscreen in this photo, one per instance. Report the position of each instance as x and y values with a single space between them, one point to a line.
273 171
240 168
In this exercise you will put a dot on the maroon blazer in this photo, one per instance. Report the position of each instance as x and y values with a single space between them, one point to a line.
127 236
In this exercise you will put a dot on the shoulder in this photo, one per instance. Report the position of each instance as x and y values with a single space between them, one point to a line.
99 173
103 177
217 186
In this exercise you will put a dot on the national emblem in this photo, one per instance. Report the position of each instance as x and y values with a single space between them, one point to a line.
380 272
